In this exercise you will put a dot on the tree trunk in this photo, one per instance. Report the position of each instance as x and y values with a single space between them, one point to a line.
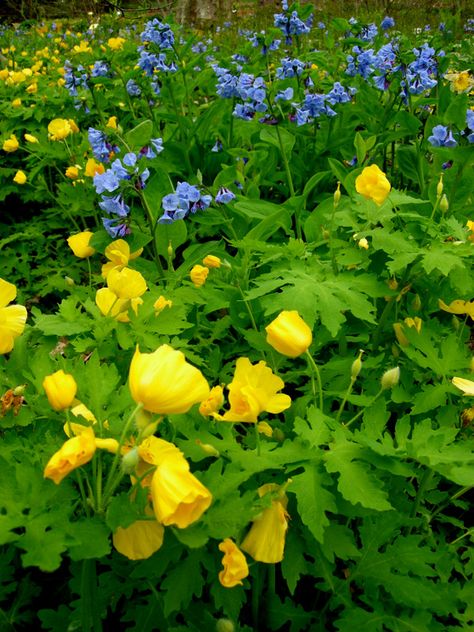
203 13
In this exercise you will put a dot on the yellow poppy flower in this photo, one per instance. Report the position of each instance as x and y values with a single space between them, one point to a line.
61 389
59 129
126 283
12 317
289 334
140 540
199 275
372 183
118 253
79 244
235 565
73 453
11 144
20 177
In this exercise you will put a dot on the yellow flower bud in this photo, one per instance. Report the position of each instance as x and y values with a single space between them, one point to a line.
439 187
390 378
79 244
11 144
444 204
112 122
72 172
160 304
212 262
61 389
20 177
357 365
289 334
30 138
199 275
337 195
208 449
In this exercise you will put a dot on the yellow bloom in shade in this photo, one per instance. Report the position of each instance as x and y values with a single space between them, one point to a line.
160 304
32 88
151 384
254 390
93 167
289 334
458 307
74 453
20 177
30 138
12 317
372 183
126 283
178 497
79 244
11 144
412 323
112 122
16 103
199 275
265 541
140 540
72 172
111 305
116 43
118 253
214 401
61 389
212 262
235 565
466 386
59 129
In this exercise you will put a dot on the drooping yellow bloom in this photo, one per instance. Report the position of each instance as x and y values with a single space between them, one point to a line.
466 386
11 144
93 168
74 453
212 262
20 177
160 304
112 122
198 275
111 305
179 498
265 541
254 390
12 317
59 129
115 43
289 334
458 307
126 283
118 253
79 244
140 540
372 183
235 565
412 323
164 382
213 403
61 389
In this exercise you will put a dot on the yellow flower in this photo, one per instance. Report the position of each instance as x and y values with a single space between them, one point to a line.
20 177
16 103
18 77
112 122
160 304
265 541
466 386
73 453
30 138
126 283
254 390
363 243
178 497
264 428
93 167
32 88
111 305
213 403
199 275
72 172
460 81
458 307
140 540
413 323
79 244
59 129
61 389
12 317
289 334
235 565
373 184
212 262
164 382
83 47
118 254
115 43
11 144
73 126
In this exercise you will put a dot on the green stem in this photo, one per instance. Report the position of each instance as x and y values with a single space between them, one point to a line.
89 615
256 598
257 439
315 372
383 319
443 506
344 401
461 537
153 224
361 412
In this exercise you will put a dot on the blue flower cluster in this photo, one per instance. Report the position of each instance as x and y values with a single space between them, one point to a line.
101 147
387 23
420 73
158 33
251 90
291 24
74 80
314 105
100 69
470 125
290 68
133 88
187 198
226 83
442 137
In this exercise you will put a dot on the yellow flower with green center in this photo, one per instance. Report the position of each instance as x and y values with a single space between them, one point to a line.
254 390
372 183
12 317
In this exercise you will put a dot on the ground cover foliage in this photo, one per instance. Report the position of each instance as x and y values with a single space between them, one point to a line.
235 289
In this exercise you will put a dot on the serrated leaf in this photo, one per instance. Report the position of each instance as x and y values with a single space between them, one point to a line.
90 539
182 583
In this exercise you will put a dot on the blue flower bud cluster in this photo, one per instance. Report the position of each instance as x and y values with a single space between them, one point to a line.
314 105
420 73
158 33
290 68
291 24
187 198
101 146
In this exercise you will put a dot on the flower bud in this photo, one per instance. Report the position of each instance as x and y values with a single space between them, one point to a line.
337 195
212 261
439 187
207 448
289 334
444 204
130 461
60 389
357 365
225 625
416 303
69 281
170 251
199 275
390 378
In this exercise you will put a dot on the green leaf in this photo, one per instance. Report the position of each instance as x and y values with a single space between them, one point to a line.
140 135
270 135
173 235
360 147
91 539
182 583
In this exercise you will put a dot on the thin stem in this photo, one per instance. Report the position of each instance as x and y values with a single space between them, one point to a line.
256 598
361 412
443 506
315 371
344 401
257 439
